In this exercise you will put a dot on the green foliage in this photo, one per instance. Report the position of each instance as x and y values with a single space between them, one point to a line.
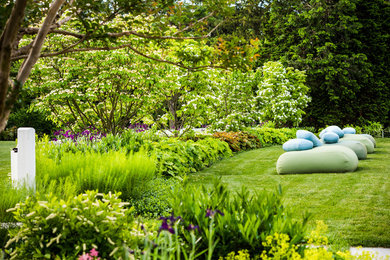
8 199
239 221
37 120
272 136
175 157
229 99
241 255
153 202
239 141
373 128
282 94
111 171
52 227
343 46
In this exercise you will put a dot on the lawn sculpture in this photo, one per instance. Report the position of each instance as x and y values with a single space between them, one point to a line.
338 151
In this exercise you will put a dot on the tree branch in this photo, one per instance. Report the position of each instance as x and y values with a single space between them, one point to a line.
68 50
34 30
32 58
193 24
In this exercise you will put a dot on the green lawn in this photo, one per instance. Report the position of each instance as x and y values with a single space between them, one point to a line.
5 157
355 206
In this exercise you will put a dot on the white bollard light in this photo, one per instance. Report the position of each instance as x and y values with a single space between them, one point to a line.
23 159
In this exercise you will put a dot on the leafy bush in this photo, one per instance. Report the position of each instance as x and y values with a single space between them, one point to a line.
373 128
37 120
175 157
273 136
53 228
154 200
112 171
240 221
239 141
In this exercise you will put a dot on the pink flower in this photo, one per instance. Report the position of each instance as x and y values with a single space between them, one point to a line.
93 252
85 257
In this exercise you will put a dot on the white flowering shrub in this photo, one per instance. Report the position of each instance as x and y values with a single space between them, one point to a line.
228 100
282 94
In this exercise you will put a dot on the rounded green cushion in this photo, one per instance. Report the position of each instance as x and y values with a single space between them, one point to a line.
356 146
361 138
371 138
327 158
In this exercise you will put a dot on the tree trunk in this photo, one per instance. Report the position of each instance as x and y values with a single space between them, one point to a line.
172 106
8 37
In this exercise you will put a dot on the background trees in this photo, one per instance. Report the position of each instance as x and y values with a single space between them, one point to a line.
89 25
343 46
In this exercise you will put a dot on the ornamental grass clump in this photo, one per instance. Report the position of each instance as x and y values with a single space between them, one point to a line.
111 171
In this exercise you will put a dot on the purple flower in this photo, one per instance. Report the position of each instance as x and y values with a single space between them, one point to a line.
166 226
211 213
192 227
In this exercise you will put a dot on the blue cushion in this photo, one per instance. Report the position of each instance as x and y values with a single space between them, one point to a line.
304 134
335 129
297 145
323 132
330 138
349 130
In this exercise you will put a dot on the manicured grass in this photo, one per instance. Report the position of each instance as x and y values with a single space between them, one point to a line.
5 157
355 206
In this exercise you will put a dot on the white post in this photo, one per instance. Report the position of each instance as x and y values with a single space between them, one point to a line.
23 159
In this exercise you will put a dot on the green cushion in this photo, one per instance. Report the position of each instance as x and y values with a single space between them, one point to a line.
361 138
356 146
327 158
372 139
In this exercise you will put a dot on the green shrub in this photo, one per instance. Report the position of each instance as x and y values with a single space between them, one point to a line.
240 221
175 157
273 136
111 171
373 128
36 119
52 228
154 201
239 141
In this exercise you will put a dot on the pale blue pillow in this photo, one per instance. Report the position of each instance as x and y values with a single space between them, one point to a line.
304 134
335 129
297 145
330 138
349 130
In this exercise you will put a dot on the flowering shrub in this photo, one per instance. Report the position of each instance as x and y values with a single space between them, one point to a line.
65 229
282 94
139 127
239 141
88 134
91 255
